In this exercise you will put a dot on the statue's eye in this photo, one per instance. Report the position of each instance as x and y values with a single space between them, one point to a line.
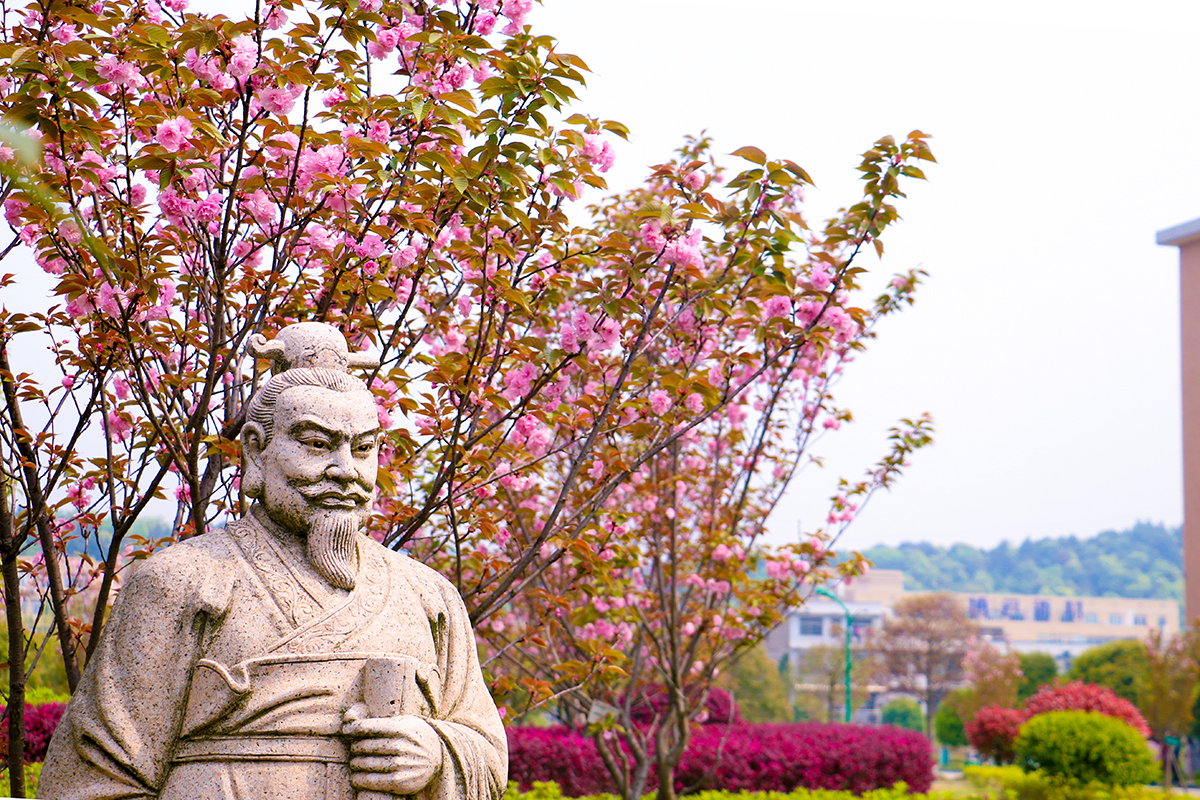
365 448
315 442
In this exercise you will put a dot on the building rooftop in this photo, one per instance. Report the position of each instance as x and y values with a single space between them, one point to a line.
1179 234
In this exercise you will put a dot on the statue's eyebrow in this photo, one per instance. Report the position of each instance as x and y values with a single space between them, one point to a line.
374 433
310 424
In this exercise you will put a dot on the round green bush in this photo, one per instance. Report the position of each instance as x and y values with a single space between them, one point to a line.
1084 747
904 713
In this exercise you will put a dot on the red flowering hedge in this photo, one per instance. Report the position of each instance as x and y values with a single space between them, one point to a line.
1080 696
747 757
40 722
994 730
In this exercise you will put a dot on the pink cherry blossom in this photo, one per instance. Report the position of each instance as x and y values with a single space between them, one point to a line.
279 99
65 33
820 278
115 71
244 57
118 426
173 134
261 207
685 250
660 401
777 306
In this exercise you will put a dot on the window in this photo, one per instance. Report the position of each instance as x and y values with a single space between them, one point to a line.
1139 619
977 607
1162 622
1011 609
1091 619
1116 619
1041 610
1072 611
811 626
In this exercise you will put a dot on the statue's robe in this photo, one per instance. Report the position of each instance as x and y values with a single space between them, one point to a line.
227 665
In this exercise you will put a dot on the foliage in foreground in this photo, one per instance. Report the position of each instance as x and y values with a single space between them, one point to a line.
552 791
33 772
1013 783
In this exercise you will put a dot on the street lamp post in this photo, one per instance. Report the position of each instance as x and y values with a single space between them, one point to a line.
838 600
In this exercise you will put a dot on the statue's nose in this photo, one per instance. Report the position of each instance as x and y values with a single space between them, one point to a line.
341 464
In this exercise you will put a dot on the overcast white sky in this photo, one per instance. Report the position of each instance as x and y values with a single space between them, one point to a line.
1045 343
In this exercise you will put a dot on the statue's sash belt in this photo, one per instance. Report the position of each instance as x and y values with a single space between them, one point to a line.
326 749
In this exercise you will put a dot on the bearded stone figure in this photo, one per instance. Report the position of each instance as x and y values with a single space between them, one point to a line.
286 656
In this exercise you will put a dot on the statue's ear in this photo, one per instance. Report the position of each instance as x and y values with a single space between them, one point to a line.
252 469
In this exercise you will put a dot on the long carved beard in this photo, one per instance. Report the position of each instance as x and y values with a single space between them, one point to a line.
332 548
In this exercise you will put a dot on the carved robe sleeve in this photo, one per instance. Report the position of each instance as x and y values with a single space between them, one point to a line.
115 740
475 749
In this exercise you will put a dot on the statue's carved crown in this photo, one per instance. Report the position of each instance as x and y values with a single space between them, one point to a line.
308 344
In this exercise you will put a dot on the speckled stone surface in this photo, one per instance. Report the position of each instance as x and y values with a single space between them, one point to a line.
286 656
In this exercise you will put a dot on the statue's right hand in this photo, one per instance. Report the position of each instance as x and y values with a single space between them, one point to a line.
397 755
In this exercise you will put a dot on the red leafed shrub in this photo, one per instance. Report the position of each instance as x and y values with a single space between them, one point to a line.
1080 696
994 730
758 757
40 722
556 754
769 757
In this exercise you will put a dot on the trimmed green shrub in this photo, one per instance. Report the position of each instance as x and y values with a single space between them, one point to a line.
1082 747
948 724
905 713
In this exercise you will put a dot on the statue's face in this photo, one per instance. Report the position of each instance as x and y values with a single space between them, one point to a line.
323 455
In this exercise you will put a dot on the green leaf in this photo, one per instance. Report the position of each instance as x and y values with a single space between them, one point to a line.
751 153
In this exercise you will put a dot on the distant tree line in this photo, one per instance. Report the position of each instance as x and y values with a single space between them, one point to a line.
1143 561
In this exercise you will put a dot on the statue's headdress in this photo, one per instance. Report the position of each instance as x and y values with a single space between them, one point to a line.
302 354
308 344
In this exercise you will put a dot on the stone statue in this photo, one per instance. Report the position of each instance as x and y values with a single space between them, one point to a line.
287 656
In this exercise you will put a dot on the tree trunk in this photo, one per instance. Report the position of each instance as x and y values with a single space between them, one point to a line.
9 550
39 509
666 781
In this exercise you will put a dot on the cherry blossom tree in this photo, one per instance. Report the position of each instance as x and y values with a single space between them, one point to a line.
403 169
666 581
992 676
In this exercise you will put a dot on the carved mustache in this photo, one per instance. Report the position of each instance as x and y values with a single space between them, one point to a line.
322 489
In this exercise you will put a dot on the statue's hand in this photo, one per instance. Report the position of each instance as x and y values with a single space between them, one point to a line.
398 755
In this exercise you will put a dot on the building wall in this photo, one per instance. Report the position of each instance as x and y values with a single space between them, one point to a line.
1033 617
1189 292
1187 238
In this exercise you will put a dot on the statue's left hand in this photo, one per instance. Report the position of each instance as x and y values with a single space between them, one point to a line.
397 755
